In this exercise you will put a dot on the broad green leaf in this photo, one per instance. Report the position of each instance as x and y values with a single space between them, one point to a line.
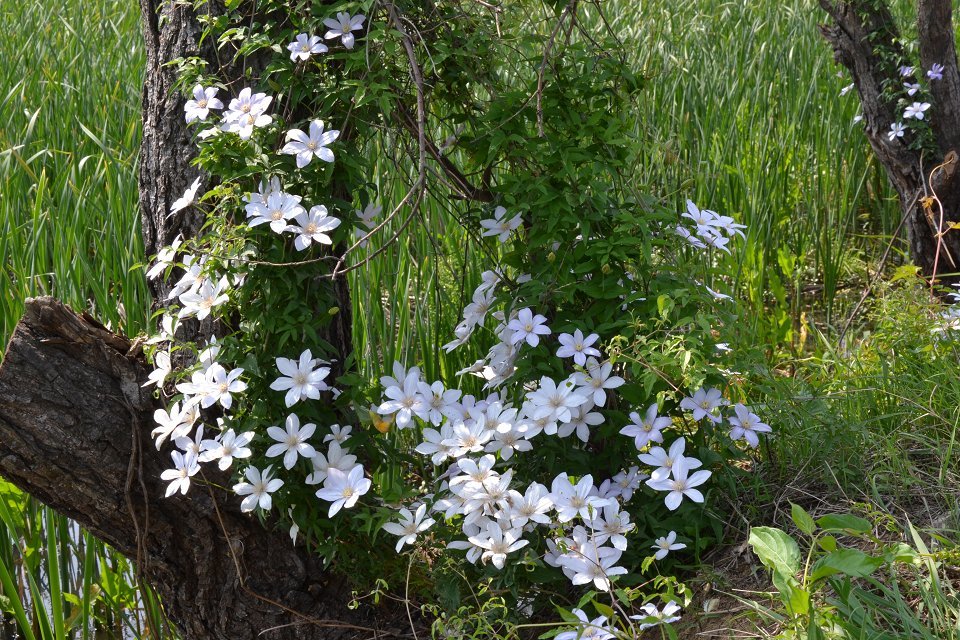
776 549
844 522
802 519
851 562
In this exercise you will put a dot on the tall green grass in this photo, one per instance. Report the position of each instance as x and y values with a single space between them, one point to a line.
743 115
69 227
69 134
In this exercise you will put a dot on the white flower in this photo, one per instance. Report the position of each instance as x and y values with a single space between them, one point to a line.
278 209
305 147
185 466
292 442
174 423
599 380
680 485
191 446
406 401
595 629
846 89
227 447
577 347
409 526
338 434
343 26
716 294
304 46
702 404
201 301
667 544
246 112
571 499
528 327
497 543
663 460
906 71
684 233
896 131
336 458
161 362
313 227
592 563
221 384
300 380
935 72
258 488
500 225
916 110
652 616
187 198
747 425
532 506
613 525
911 88
204 99
555 401
343 489
647 429
165 258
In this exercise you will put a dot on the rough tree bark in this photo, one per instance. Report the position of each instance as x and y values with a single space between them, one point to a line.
865 40
74 419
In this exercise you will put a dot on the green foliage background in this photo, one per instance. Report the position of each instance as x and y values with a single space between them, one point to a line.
740 112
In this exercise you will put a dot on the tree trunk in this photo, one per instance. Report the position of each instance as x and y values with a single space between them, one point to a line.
865 40
74 421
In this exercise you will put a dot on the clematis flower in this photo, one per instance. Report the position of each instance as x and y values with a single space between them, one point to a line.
916 110
702 404
666 544
528 327
343 490
305 147
336 458
596 629
161 362
187 198
202 300
227 447
409 526
292 441
257 488
647 429
652 616
204 99
300 379
500 226
577 346
571 500
343 27
278 209
747 425
185 466
680 484
896 131
911 87
304 46
663 460
313 227
935 72
497 543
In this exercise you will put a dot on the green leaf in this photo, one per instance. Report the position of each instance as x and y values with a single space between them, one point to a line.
844 523
776 549
851 562
802 519
604 610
